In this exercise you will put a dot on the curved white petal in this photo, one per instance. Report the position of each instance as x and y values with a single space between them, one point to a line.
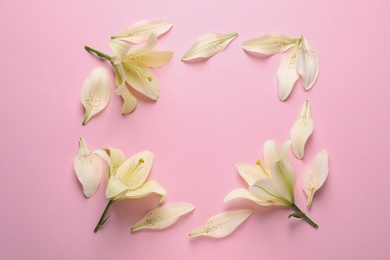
88 168
242 193
134 171
146 189
271 153
222 224
114 158
287 74
95 93
302 128
284 151
250 173
115 190
315 175
120 48
208 45
129 101
268 190
269 44
141 78
152 58
140 32
308 64
284 178
163 216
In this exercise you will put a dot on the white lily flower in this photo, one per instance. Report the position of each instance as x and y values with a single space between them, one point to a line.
88 168
315 175
208 45
127 178
269 44
308 63
133 67
271 183
140 32
222 224
301 130
253 174
163 216
95 93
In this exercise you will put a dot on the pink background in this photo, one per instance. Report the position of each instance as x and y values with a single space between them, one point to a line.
209 117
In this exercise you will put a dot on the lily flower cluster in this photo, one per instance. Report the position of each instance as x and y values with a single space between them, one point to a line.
301 60
126 180
131 66
272 182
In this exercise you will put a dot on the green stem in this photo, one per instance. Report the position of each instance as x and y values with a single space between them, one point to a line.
306 218
103 218
98 53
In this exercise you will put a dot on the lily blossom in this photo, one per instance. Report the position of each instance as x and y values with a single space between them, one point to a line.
301 130
127 178
271 182
133 67
208 45
315 175
163 216
88 168
95 93
222 224
139 32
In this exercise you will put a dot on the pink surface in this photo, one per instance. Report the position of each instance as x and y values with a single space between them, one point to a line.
209 117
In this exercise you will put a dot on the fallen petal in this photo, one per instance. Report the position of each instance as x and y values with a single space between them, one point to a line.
287 74
315 175
308 64
208 45
222 224
139 32
95 93
301 130
163 216
88 168
269 44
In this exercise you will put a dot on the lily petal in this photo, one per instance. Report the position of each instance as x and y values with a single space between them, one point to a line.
152 58
95 93
135 170
116 190
163 216
284 177
269 44
271 153
302 128
250 173
146 189
139 32
114 158
120 48
242 193
129 100
287 74
141 78
308 63
268 190
150 44
88 168
222 224
315 175
208 45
